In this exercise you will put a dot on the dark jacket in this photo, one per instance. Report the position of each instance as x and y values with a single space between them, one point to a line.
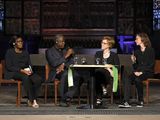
144 60
55 57
113 58
15 61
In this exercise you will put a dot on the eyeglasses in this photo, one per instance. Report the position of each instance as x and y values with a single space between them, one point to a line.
61 41
20 41
104 43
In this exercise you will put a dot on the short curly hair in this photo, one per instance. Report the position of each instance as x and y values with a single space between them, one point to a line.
13 40
110 40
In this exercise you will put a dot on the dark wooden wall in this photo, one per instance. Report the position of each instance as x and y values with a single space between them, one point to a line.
83 22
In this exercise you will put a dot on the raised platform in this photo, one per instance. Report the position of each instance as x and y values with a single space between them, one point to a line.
8 106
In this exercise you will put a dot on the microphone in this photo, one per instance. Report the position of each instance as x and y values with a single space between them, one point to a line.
30 69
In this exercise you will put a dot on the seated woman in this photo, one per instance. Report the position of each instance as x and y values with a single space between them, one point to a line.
18 67
103 76
143 64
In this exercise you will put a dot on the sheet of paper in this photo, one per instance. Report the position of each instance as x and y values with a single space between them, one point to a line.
70 77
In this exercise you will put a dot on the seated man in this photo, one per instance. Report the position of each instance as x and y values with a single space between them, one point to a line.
59 59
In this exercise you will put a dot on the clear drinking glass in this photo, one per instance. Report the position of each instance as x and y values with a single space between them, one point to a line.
75 59
104 61
83 60
98 61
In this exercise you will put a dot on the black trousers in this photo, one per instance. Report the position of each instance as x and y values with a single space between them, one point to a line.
65 91
31 84
138 81
102 77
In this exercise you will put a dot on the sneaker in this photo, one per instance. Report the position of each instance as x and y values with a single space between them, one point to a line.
99 101
29 103
124 105
140 104
35 104
63 104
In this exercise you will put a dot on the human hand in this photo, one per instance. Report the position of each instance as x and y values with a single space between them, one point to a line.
138 73
133 58
69 52
27 72
60 68
110 71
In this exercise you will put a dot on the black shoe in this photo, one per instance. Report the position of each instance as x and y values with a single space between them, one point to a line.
68 99
29 103
140 104
84 107
124 105
101 106
63 104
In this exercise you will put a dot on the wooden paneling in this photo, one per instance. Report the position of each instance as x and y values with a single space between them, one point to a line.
78 31
134 16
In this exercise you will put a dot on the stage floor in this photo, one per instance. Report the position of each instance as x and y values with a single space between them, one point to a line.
8 107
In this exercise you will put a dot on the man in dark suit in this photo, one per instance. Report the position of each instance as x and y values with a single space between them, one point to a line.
59 59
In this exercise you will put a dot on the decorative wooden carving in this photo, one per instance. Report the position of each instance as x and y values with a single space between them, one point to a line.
13 26
32 9
31 26
13 8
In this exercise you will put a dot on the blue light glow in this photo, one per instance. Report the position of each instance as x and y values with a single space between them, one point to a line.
156 14
126 43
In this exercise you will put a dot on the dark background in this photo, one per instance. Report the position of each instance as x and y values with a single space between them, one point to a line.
82 22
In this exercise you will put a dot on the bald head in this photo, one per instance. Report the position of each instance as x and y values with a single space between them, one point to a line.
59 41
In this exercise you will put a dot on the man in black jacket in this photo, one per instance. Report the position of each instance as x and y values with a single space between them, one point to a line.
59 59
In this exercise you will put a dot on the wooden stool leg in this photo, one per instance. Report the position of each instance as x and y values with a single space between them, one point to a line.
79 95
18 101
45 93
87 97
147 92
111 97
55 93
79 100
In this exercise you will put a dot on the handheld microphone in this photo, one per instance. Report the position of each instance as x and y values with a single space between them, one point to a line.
30 69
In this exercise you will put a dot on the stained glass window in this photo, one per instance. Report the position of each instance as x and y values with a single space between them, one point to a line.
156 14
1 15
